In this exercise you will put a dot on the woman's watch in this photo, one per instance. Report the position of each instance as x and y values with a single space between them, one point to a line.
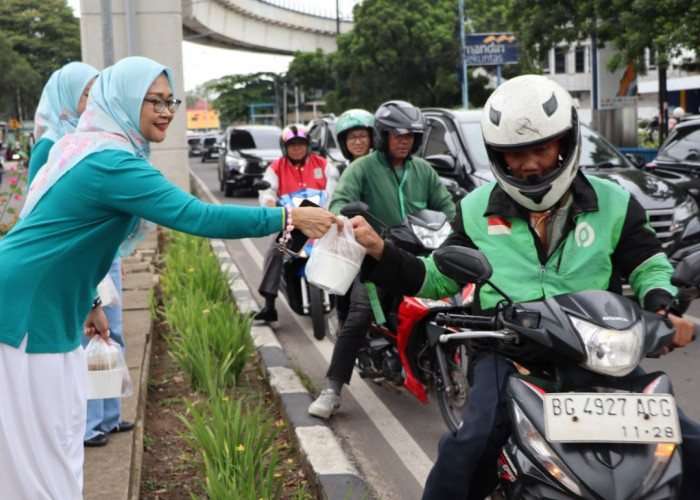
96 302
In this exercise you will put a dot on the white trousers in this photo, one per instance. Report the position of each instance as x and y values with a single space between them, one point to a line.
42 422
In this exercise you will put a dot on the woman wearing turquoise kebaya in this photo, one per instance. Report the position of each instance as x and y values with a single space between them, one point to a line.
95 186
62 102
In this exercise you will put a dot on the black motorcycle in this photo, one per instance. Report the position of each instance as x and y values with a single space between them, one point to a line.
581 426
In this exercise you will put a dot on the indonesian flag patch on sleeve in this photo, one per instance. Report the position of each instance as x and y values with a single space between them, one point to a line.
498 225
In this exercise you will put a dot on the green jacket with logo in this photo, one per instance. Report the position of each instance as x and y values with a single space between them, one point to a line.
606 235
372 180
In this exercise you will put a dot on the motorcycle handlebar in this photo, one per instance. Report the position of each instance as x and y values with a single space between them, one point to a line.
466 321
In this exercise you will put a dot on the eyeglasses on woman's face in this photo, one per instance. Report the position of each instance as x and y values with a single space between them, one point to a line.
159 105
358 137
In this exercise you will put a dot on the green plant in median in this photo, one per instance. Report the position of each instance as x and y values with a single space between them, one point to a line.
236 445
211 340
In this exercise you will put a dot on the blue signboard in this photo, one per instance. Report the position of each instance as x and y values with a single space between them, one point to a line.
491 49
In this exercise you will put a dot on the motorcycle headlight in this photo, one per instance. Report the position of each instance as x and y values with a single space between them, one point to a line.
531 439
431 238
683 213
610 352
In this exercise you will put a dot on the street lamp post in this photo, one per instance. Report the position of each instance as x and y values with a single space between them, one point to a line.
463 56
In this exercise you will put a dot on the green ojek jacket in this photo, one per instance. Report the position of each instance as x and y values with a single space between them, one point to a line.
583 260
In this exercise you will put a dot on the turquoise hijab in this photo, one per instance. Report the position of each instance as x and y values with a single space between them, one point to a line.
57 112
110 121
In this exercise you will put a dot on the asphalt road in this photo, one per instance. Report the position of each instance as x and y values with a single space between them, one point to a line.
390 436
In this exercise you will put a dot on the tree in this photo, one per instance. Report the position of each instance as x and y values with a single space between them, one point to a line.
203 91
16 78
398 50
237 92
663 26
311 70
44 33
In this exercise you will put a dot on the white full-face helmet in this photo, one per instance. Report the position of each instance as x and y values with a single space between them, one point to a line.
526 112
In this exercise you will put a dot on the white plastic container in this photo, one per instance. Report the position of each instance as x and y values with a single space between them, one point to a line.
333 273
102 384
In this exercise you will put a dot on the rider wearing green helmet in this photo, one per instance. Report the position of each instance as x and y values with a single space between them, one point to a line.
354 131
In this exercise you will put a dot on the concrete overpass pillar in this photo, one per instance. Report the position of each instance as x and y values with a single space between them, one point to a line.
151 29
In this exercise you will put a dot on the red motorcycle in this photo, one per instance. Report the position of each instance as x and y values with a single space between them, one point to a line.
404 351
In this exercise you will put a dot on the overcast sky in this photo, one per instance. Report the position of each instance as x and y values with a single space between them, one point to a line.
202 63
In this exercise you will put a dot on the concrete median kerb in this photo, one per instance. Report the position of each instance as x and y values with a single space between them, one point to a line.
322 452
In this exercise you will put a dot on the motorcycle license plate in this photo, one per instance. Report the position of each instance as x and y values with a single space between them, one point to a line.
611 418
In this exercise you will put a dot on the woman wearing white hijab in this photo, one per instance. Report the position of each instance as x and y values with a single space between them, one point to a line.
62 102
96 184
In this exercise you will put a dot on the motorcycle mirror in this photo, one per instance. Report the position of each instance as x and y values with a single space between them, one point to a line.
462 264
355 208
260 185
687 272
360 208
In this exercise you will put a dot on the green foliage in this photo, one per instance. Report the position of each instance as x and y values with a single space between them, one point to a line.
36 38
45 32
661 25
16 74
237 92
398 50
210 338
311 70
236 446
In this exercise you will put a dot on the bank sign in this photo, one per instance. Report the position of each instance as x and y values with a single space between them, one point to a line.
491 49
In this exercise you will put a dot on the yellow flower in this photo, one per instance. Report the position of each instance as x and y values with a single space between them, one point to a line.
240 447
190 270
225 399
206 311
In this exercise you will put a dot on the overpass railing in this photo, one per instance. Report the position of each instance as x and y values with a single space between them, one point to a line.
314 10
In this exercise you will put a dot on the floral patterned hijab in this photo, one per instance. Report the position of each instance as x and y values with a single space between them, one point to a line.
57 112
110 121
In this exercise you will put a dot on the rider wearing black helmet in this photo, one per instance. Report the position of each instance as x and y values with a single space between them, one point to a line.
394 184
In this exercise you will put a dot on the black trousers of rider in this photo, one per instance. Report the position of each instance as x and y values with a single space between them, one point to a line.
466 463
272 271
352 334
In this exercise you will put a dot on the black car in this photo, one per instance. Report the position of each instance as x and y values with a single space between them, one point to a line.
324 140
194 145
244 154
210 146
454 145
680 152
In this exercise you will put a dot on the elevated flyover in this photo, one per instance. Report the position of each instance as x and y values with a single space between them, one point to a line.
260 26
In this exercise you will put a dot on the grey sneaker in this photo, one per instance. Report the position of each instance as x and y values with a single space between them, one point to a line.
325 405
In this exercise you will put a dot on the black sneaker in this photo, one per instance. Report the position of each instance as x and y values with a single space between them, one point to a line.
266 314
123 426
99 440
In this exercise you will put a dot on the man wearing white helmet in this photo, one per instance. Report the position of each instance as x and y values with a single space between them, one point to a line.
546 229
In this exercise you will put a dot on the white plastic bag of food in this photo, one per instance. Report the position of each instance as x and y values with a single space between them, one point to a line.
108 375
108 292
335 259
